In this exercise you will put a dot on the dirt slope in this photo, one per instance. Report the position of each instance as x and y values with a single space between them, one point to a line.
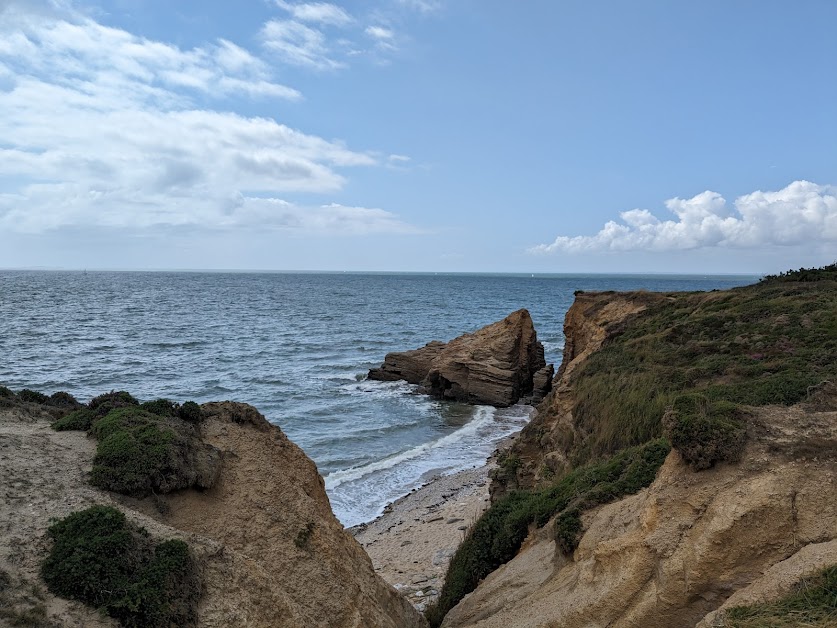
260 566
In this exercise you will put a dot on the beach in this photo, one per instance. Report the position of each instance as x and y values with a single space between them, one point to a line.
412 543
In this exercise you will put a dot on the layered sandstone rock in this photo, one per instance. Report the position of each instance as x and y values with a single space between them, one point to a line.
497 365
269 549
679 550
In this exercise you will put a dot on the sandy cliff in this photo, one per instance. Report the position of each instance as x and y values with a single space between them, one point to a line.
693 544
270 551
676 551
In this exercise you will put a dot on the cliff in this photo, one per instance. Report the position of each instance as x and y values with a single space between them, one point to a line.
268 549
742 509
675 552
497 365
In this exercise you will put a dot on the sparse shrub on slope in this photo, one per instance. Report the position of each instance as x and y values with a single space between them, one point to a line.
498 534
813 605
100 559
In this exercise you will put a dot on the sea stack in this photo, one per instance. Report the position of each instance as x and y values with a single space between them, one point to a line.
497 365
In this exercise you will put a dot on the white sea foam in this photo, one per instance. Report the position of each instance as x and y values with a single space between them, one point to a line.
360 494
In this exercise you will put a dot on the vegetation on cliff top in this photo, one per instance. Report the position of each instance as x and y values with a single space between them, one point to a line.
100 559
498 534
813 604
764 344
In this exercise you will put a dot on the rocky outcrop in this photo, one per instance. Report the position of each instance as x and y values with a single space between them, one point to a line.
497 365
544 443
677 551
269 549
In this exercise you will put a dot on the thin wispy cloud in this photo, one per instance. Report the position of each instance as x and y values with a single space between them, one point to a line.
801 214
101 127
297 44
317 12
325 36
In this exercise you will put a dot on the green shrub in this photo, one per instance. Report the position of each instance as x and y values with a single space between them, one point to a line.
190 412
498 534
81 419
813 603
135 453
63 399
103 404
32 396
101 560
6 393
160 407
705 432
826 273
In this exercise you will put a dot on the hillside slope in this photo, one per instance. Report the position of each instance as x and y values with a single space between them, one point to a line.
269 550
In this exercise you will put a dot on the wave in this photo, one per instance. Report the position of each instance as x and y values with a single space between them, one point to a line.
483 417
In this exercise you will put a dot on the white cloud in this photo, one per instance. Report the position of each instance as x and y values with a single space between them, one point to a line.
317 12
298 44
99 127
423 6
398 158
379 32
803 213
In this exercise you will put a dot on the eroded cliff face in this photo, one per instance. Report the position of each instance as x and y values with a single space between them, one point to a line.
498 365
269 549
544 444
677 551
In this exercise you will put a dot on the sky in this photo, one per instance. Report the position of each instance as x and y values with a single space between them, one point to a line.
542 136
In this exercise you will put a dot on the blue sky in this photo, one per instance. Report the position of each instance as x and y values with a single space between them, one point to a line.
419 135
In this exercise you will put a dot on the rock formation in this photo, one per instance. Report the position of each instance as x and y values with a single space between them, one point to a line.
673 553
497 365
269 549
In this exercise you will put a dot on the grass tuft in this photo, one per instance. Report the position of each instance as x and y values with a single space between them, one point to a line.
705 432
813 604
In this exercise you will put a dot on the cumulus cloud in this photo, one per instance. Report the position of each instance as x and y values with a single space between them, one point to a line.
803 213
100 127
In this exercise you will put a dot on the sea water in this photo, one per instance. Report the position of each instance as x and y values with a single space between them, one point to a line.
297 346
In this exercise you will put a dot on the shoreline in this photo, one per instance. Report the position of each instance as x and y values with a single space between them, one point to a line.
412 542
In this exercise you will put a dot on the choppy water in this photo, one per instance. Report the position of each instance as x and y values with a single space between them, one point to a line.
296 346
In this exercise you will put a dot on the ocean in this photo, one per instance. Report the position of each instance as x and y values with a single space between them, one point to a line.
297 346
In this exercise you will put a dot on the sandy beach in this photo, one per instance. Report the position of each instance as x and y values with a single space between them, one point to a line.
412 543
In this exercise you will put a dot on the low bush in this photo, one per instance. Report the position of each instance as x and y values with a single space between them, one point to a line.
813 603
190 412
498 534
136 453
6 393
705 432
100 559
81 419
32 396
103 404
63 399
160 407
